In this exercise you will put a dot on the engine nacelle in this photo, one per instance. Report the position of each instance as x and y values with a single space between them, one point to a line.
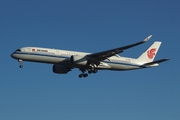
79 60
60 69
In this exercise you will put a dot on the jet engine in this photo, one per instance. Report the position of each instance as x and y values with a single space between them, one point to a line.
79 60
60 69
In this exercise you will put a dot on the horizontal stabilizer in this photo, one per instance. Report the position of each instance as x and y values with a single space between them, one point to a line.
154 63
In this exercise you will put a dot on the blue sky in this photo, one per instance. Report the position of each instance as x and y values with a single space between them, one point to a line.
35 92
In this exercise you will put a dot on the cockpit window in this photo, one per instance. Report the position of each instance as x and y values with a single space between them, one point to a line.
18 50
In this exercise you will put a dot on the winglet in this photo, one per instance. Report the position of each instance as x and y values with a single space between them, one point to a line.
146 39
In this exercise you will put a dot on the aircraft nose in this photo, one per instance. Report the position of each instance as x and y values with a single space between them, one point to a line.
12 55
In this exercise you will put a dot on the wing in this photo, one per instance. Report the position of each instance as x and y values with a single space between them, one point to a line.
100 56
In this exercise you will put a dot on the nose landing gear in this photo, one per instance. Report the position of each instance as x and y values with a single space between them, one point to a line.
20 62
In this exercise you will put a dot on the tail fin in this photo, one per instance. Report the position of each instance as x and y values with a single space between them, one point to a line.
150 53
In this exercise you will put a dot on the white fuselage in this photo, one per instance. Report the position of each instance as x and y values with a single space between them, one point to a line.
55 56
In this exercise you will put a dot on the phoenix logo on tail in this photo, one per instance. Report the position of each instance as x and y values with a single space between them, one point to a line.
151 53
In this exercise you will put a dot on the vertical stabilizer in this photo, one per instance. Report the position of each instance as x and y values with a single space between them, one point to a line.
150 53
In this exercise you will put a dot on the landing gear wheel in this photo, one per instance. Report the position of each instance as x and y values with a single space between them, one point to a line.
81 75
90 71
85 75
95 71
21 66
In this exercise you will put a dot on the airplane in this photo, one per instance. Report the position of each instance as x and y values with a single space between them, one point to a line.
64 60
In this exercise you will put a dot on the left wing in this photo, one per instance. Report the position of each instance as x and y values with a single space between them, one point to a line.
100 56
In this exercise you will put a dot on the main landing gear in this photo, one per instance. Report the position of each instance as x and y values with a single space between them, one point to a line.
83 75
85 71
20 62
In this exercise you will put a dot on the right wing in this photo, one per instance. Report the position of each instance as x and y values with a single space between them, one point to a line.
100 56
